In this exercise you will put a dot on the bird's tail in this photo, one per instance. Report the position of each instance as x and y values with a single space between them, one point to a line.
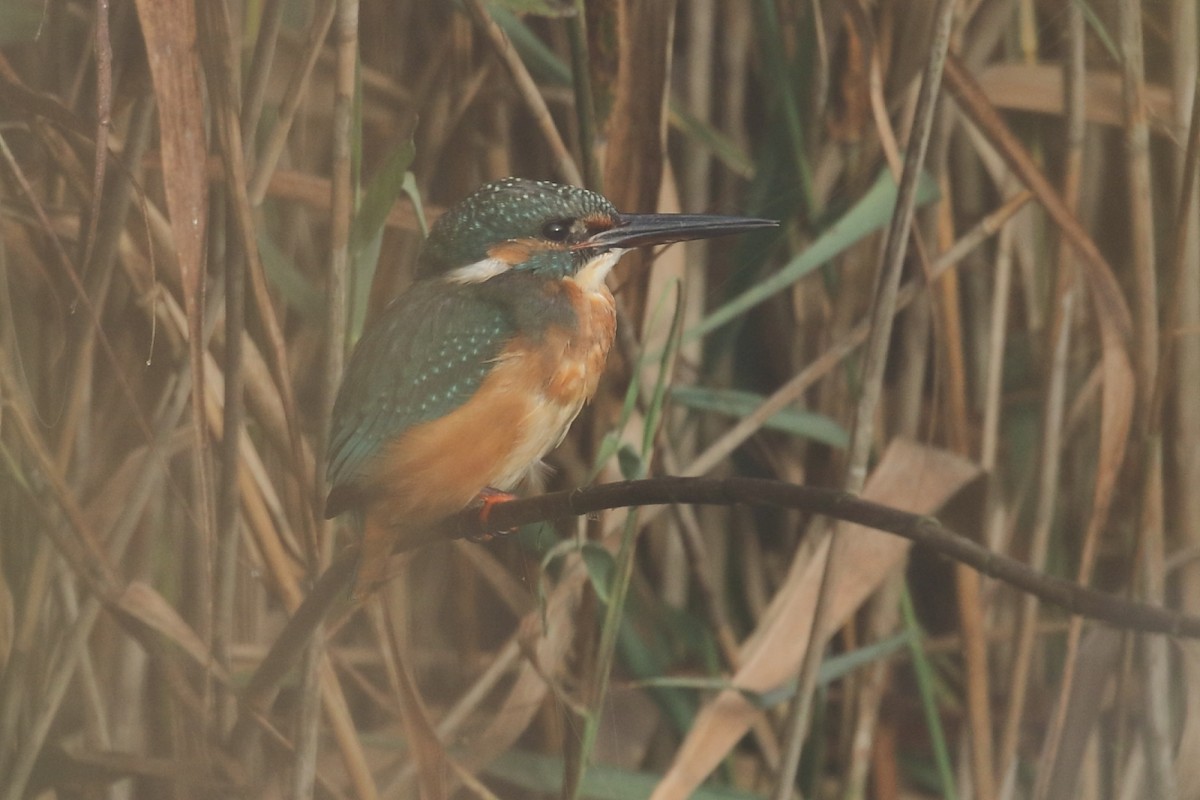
378 538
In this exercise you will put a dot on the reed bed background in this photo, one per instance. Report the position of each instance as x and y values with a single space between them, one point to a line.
202 203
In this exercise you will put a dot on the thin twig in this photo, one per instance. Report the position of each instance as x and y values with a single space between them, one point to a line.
269 23
527 88
277 140
585 104
922 530
104 90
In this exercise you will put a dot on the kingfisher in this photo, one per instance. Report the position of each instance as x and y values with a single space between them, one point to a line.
465 381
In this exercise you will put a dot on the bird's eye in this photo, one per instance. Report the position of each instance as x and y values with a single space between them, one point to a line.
557 230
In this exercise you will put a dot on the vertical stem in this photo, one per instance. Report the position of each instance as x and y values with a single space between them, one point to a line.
1155 653
317 671
269 156
882 317
775 59
926 685
605 651
623 571
697 169
1145 335
978 696
1137 145
341 216
1074 75
970 601
1183 312
270 22
528 89
308 726
228 496
585 105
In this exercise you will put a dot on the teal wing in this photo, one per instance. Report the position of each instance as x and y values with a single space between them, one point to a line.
425 356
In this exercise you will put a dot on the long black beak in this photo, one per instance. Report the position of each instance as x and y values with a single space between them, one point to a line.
639 230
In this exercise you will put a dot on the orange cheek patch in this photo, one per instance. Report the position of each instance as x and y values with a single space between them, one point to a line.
514 251
597 222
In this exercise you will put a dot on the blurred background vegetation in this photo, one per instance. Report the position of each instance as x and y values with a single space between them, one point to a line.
202 203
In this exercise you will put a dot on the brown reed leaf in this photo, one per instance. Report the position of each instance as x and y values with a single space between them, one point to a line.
169 28
909 476
142 602
1039 87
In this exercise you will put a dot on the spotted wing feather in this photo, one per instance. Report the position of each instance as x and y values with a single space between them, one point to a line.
426 356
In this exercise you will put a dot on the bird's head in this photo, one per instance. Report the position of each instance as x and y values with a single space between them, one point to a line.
552 230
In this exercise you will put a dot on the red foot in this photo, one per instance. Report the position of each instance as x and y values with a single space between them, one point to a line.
487 499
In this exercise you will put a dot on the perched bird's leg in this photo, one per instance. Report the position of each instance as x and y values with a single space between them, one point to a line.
487 499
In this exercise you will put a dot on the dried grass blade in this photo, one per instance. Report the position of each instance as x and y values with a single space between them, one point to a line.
143 603
1111 311
103 49
170 32
909 476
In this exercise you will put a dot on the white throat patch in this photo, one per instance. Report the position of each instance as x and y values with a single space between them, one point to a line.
591 277
479 271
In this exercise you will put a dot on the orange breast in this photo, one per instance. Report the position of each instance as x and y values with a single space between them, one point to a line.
579 355
521 411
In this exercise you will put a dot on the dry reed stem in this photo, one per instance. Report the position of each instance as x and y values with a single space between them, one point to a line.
268 159
529 92
882 316
259 71
971 606
172 50
1075 72
1145 338
1181 353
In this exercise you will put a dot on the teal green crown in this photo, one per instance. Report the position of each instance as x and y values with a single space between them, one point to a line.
511 208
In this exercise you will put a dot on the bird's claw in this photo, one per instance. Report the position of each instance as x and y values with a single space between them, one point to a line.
484 502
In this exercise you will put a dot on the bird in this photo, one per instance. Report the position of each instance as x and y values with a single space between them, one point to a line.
464 382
